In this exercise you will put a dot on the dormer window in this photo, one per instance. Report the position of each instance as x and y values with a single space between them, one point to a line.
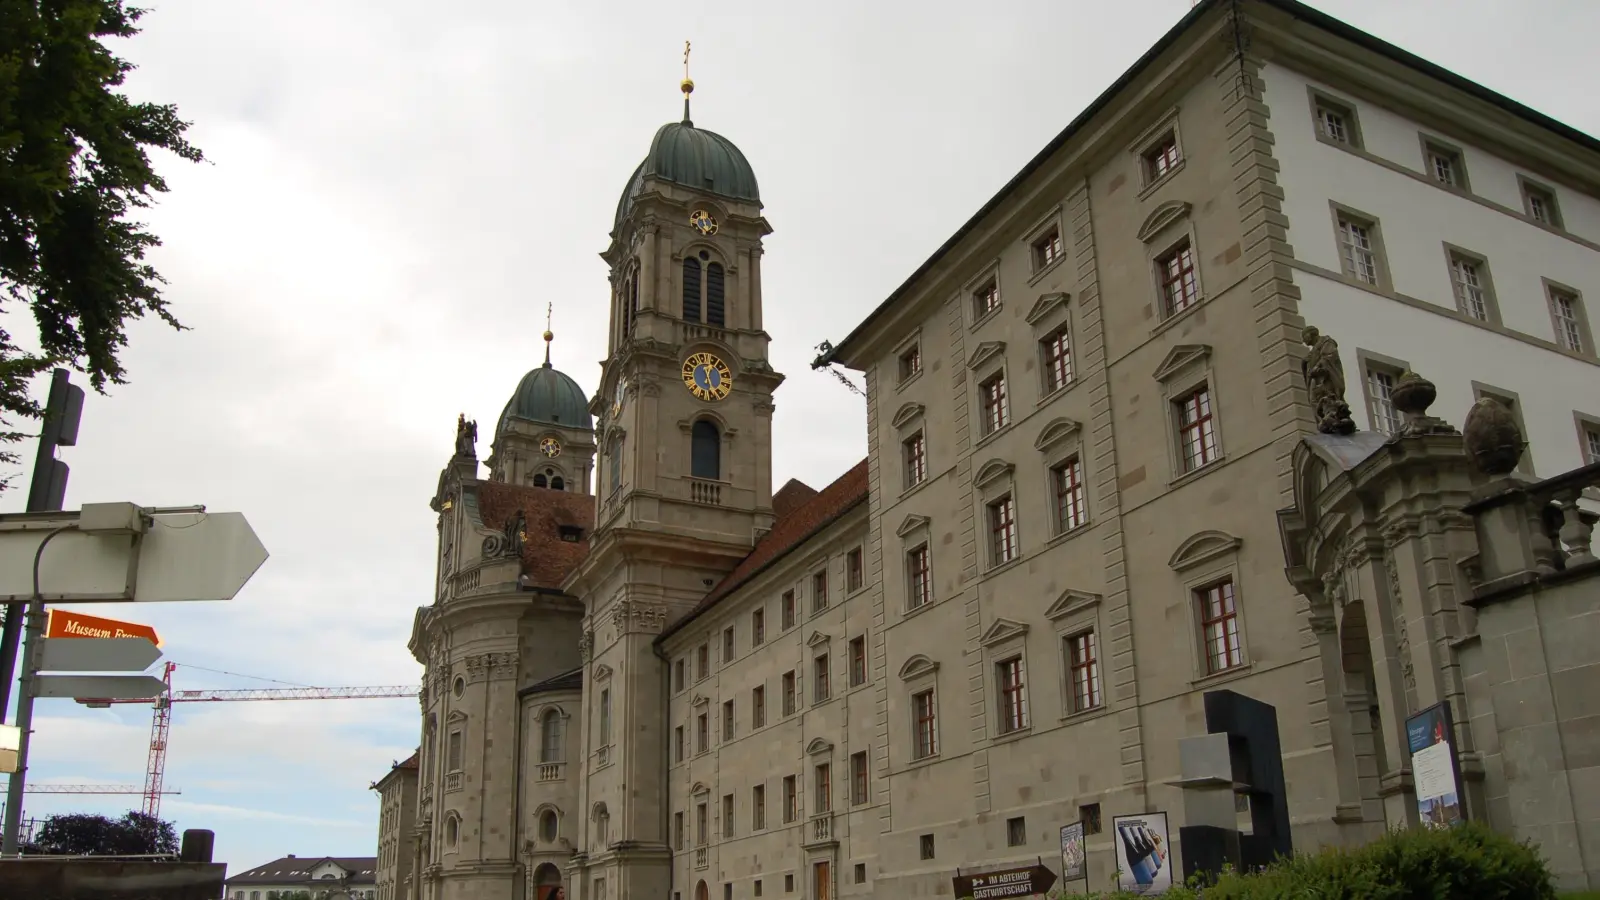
704 291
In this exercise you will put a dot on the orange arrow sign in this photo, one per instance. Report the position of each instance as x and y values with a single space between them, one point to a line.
64 624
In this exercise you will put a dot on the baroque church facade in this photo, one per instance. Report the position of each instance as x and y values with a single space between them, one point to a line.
651 675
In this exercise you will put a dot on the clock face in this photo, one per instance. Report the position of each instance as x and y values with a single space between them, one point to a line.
550 447
703 222
620 395
707 377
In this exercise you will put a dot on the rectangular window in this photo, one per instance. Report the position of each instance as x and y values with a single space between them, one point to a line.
1180 285
677 831
1072 508
1219 625
727 816
925 844
919 581
702 662
926 724
1197 434
757 889
986 299
758 706
1047 249
1083 663
452 753
758 628
1161 158
858 661
1057 351
1444 166
1591 444
1471 290
1013 696
678 741
677 675
605 716
729 648
854 574
1380 397
1540 204
788 883
910 362
1564 311
858 778
1016 832
787 610
702 733
824 784
1089 815
820 688
758 807
1335 122
1357 253
1003 530
916 459
791 799
702 825
789 697
861 873
727 721
992 396
819 591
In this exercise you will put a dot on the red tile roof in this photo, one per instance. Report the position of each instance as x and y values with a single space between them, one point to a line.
409 762
789 532
547 560
791 497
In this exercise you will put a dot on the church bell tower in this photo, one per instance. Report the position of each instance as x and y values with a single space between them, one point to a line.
684 474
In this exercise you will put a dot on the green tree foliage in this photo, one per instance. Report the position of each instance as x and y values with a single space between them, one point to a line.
80 834
73 163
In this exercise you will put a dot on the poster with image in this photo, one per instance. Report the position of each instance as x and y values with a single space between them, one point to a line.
1434 768
1072 853
1144 854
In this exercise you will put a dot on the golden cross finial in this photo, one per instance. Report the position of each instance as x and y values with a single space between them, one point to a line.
548 335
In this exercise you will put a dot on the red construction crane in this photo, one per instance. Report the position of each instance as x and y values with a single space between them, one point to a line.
161 718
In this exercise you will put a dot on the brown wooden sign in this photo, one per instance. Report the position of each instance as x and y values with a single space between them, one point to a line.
1024 881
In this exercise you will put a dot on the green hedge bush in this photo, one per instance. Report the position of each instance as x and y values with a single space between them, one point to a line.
1468 862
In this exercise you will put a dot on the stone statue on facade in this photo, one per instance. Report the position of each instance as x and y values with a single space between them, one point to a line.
516 531
1324 373
466 436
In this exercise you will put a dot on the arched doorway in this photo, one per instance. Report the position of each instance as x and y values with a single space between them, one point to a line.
1361 703
547 883
701 892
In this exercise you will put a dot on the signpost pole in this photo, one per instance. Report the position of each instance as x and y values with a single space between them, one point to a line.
30 662
46 493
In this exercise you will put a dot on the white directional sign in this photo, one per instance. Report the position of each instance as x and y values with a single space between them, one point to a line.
100 687
10 740
97 654
119 552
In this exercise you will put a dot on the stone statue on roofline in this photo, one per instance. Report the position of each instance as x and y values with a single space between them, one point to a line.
466 436
1324 373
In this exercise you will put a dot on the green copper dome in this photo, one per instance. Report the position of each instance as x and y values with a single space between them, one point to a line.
548 396
695 158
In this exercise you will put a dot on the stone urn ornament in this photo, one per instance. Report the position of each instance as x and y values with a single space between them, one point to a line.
1493 439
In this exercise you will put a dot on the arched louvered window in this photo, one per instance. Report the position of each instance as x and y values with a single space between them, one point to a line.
540 481
691 290
558 483
615 465
705 451
633 303
552 737
714 294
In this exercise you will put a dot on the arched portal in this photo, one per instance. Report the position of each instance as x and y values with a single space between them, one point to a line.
547 883
701 892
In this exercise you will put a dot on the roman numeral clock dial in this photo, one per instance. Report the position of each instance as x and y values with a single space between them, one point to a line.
707 377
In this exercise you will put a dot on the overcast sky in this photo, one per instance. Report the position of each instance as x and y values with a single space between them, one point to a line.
395 191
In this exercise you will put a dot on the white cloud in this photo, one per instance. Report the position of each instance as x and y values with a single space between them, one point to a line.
394 195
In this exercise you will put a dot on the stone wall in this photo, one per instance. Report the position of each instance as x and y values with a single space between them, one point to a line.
110 879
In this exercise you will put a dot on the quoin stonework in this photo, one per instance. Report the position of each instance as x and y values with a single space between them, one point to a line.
1153 422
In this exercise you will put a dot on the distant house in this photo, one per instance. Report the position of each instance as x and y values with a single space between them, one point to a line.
316 878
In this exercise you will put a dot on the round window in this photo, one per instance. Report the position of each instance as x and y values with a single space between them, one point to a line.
460 686
704 255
